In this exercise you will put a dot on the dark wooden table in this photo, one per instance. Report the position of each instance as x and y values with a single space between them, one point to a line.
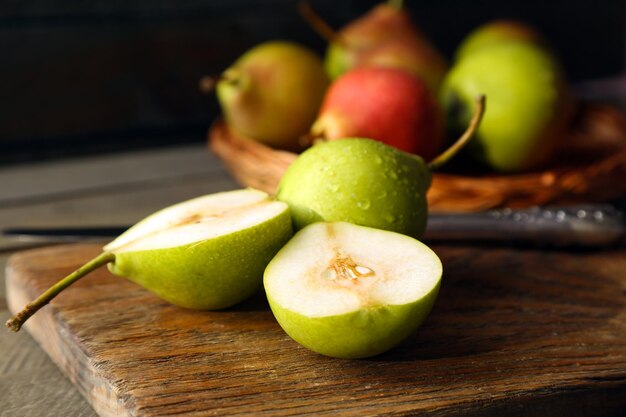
515 332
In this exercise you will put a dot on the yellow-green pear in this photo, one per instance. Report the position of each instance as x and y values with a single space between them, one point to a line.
206 253
530 106
272 93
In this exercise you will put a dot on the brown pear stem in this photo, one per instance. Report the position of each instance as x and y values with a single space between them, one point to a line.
446 155
318 24
207 83
18 320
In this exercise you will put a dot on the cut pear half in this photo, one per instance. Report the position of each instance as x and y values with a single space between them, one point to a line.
350 291
206 253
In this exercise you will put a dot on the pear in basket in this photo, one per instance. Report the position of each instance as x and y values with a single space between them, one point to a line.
530 105
387 104
272 93
386 36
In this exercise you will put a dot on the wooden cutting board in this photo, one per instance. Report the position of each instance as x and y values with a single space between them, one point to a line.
514 332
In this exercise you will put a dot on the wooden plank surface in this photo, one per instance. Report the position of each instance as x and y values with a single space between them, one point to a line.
514 332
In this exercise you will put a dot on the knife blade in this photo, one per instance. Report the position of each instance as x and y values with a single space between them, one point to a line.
580 225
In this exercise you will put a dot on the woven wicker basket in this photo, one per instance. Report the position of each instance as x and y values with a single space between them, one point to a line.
590 167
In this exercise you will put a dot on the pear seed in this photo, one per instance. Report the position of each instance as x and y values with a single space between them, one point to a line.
349 272
364 271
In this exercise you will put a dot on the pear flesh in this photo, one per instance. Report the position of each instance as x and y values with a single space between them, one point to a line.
206 253
350 291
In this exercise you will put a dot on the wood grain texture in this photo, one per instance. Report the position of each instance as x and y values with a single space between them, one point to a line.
514 332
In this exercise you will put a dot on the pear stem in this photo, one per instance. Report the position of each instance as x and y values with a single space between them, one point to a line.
207 83
446 155
318 24
18 320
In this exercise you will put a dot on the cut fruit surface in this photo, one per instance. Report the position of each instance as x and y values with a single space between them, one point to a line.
198 219
336 268
351 291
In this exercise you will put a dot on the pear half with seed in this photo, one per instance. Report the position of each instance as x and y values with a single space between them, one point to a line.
207 253
351 291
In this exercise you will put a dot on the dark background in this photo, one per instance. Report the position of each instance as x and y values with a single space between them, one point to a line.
102 76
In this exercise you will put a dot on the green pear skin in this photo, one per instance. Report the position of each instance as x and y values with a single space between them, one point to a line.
360 181
209 275
272 93
529 104
356 335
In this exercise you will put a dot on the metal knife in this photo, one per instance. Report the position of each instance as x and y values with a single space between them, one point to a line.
580 225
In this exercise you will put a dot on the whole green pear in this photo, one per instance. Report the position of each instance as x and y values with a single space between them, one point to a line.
529 104
350 291
272 93
360 181
205 253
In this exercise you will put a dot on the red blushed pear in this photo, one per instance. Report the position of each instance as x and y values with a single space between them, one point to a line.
390 105
384 36
381 23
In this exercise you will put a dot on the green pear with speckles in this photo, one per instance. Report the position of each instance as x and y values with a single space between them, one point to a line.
350 291
360 181
206 253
